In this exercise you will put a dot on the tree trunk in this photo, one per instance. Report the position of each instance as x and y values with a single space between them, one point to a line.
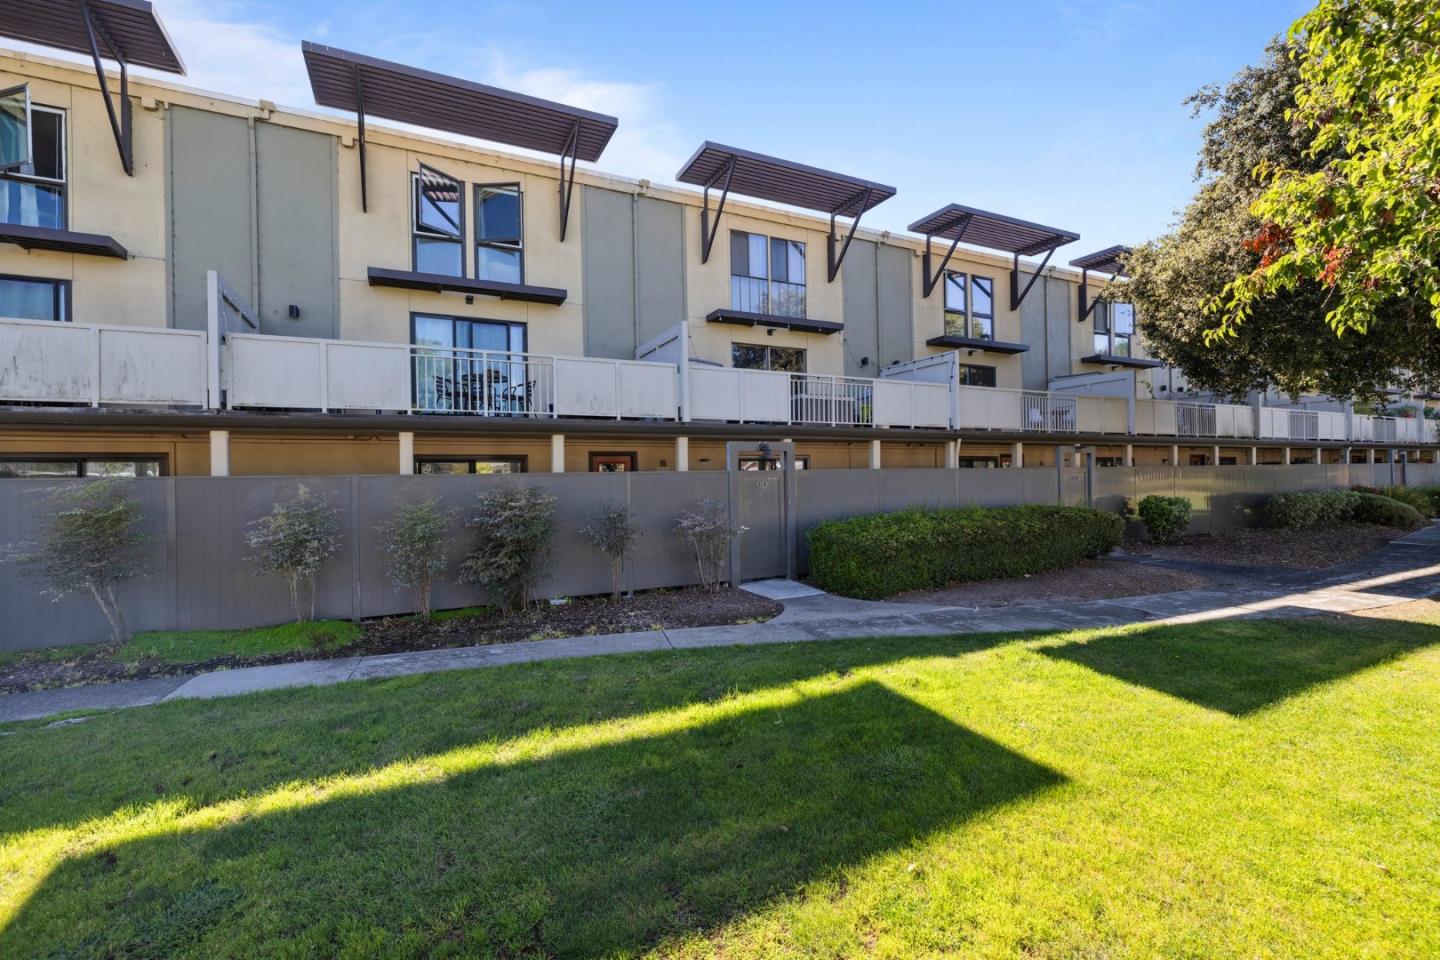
110 606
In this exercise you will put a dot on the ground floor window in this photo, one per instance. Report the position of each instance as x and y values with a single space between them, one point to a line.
612 462
976 375
754 461
1228 461
1108 462
96 466
984 463
33 298
450 466
750 356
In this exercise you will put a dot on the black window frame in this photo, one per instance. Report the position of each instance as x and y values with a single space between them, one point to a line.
517 245
61 185
754 462
62 294
1105 336
630 456
82 460
428 233
769 348
965 320
967 369
769 304
520 460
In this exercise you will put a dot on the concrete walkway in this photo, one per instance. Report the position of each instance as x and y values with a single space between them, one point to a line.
1404 570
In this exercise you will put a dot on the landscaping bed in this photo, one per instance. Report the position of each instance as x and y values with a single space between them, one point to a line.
1087 580
179 653
1311 549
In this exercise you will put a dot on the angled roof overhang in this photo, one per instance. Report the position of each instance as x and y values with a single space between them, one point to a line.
974 344
751 174
126 31
1111 260
994 231
369 86
1114 360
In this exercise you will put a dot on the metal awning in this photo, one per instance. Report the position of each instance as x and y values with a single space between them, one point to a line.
994 231
369 86
64 241
973 344
126 31
1114 360
441 283
1110 260
753 174
745 318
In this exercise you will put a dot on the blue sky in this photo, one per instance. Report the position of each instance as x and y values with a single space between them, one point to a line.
1066 112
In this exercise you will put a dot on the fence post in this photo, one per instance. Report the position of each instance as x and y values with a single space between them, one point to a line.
355 604
1089 478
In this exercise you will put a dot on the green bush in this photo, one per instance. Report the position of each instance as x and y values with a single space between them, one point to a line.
1413 496
1372 508
1165 518
877 556
1434 494
1304 511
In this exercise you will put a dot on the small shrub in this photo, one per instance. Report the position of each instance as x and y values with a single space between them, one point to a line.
1413 496
612 530
414 543
89 543
877 556
709 531
1372 508
1433 493
1306 511
294 540
1165 518
515 527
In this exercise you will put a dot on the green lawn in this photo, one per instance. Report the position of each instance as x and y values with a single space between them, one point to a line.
197 646
1239 789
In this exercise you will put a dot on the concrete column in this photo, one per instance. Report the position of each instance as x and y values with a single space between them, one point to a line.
1062 459
874 454
1174 454
1254 456
407 453
1215 456
1346 454
1370 456
219 453
682 454
1017 455
1285 456
952 454
1129 454
557 453
1393 458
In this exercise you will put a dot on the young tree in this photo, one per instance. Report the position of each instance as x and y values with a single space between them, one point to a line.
89 542
1362 220
414 541
613 532
294 541
515 526
709 531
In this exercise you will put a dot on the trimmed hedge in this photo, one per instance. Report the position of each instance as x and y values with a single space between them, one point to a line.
1413 496
880 555
1305 511
1165 518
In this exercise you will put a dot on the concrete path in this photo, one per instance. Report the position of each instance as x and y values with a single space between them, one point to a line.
1405 570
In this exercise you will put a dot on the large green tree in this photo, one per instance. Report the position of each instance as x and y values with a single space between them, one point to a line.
1177 278
1362 217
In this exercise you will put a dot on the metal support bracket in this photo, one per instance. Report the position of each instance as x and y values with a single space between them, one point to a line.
1015 301
567 182
860 201
120 125
1086 306
360 121
707 232
932 277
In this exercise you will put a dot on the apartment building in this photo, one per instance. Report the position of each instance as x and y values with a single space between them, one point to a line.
195 284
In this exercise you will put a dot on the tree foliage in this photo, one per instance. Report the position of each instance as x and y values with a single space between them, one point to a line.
514 528
89 542
414 543
709 531
1360 218
1176 279
611 528
294 540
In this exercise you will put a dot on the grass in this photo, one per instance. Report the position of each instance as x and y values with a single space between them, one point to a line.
1229 789
196 646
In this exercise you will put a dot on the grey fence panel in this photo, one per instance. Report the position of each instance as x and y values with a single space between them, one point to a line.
1038 485
1072 486
761 511
1001 488
661 558
828 494
929 487
1114 489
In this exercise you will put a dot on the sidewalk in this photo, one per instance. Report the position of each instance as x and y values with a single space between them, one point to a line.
1405 570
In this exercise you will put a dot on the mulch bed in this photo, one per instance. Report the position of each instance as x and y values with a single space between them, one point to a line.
1296 549
584 616
1089 580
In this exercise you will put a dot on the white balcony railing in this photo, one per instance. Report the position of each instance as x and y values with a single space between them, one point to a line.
771 396
67 363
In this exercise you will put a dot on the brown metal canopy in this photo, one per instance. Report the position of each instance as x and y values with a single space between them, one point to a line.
994 231
753 174
370 86
126 31
1109 260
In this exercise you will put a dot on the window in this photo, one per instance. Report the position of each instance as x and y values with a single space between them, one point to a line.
974 375
455 466
749 356
978 321
981 463
753 461
767 275
33 193
96 466
1114 328
473 366
499 253
612 463
438 223
31 298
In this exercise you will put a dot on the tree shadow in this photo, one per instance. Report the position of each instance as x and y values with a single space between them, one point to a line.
1242 666
602 851
231 747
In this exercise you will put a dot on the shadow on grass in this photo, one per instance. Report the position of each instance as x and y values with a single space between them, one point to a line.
606 850
1241 666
